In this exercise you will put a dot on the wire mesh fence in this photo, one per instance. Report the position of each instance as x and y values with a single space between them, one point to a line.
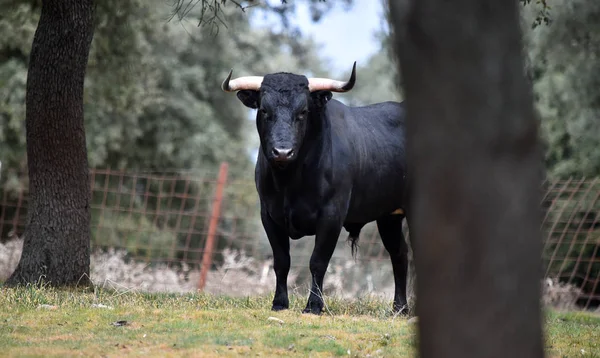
571 226
197 223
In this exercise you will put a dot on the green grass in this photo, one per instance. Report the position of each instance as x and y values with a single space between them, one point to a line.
203 325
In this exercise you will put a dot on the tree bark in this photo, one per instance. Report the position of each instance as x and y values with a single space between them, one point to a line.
57 236
474 162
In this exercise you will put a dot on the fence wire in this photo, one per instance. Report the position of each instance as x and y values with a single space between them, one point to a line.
163 218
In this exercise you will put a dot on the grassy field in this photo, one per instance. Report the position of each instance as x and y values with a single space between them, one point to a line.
48 322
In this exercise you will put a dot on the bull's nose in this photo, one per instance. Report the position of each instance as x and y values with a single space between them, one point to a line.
282 154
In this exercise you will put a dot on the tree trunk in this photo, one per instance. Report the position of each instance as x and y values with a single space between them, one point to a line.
473 157
57 236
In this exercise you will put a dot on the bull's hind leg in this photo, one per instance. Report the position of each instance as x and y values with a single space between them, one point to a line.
390 230
280 244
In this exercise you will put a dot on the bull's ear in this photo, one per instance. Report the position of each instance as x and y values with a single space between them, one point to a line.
249 98
321 97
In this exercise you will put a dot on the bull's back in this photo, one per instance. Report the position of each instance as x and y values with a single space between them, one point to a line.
374 136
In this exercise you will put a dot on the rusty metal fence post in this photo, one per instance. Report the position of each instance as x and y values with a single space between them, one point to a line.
212 226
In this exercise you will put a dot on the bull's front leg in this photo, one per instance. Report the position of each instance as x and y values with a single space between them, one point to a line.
280 245
325 242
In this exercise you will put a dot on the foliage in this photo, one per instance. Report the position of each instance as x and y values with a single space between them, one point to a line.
566 75
16 24
562 63
212 11
565 72
379 79
135 233
152 98
542 14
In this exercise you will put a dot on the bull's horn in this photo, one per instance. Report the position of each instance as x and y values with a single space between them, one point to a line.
326 84
241 83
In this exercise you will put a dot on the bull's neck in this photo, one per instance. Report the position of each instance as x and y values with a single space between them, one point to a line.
316 141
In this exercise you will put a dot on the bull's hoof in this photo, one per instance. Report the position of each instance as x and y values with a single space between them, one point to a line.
280 303
313 310
400 310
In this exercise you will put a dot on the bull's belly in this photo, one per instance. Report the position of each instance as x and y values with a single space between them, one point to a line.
371 209
379 193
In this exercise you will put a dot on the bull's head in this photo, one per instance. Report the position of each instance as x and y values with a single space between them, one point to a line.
286 104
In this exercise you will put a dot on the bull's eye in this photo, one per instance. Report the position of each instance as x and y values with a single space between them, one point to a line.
303 114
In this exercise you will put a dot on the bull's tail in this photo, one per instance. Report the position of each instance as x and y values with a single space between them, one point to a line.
353 241
354 232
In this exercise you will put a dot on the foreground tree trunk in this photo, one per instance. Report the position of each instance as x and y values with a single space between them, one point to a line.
57 235
474 162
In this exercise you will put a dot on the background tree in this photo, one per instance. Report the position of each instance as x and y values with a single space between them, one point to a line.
565 69
143 67
474 169
565 72
57 238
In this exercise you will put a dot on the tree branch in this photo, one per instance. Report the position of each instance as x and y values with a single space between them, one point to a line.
181 8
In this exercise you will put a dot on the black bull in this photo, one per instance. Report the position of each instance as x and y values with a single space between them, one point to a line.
322 166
